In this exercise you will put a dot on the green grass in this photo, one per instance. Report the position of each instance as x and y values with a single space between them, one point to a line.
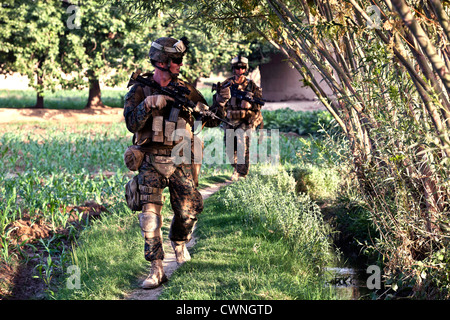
46 168
249 253
61 99
235 257
302 123
110 254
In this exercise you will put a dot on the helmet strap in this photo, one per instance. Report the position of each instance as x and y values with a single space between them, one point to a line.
172 75
161 68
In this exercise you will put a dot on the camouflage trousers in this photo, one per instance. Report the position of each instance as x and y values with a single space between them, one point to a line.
238 159
186 202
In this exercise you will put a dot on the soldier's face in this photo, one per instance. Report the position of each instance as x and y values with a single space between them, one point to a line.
175 67
238 71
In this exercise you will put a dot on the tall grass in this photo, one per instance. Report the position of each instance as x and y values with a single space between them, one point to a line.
257 239
302 123
272 202
47 170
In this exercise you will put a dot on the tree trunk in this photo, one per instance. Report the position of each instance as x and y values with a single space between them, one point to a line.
195 82
39 101
424 42
39 98
95 95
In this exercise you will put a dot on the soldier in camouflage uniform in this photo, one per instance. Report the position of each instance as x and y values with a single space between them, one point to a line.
146 112
242 114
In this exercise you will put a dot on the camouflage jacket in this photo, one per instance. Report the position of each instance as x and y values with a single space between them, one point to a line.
143 123
245 118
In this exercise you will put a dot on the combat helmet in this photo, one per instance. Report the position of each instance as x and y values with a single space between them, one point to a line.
166 49
239 61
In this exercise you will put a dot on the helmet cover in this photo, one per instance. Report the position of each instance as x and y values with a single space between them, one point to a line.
164 49
239 61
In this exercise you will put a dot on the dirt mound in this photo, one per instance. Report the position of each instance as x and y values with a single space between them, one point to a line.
27 230
24 231
18 279
89 210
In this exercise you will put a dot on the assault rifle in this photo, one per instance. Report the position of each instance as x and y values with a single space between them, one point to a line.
178 94
238 94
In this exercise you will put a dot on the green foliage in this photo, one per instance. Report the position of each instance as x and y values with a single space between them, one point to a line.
60 99
76 163
107 44
71 46
46 171
29 39
209 49
390 87
60 176
256 240
41 40
269 200
69 99
302 123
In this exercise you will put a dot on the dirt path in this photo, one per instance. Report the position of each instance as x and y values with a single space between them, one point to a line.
170 264
108 115
101 115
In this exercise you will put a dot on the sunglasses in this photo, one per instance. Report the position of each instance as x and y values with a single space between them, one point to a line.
177 60
240 68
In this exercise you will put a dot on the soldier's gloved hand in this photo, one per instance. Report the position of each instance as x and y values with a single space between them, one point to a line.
156 102
245 104
200 107
223 96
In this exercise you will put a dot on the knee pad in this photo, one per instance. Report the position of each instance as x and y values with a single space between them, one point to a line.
150 220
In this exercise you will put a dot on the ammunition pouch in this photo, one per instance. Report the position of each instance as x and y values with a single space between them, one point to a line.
135 194
163 130
239 114
133 157
235 114
132 194
151 195
164 165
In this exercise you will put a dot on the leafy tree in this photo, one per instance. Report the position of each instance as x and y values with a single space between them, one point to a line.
78 45
105 45
29 37
209 48
388 65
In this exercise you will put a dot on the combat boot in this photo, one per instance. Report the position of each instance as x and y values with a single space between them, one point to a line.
156 276
235 176
181 252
